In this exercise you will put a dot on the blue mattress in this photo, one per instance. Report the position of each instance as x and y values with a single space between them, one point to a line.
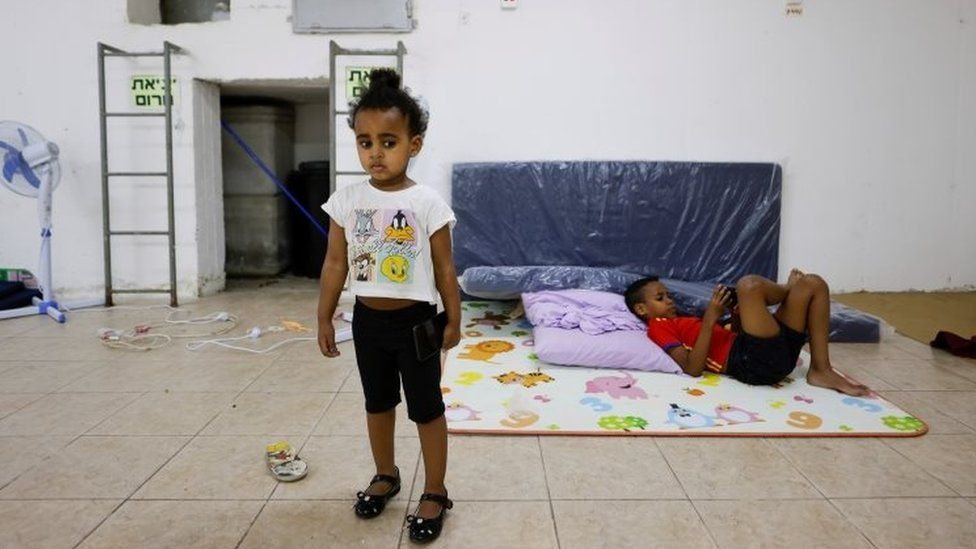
702 222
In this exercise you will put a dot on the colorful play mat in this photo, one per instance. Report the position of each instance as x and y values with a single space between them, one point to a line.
493 383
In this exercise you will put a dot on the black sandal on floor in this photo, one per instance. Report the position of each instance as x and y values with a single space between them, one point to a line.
371 505
425 530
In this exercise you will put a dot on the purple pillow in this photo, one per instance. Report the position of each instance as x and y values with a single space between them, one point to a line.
591 311
628 349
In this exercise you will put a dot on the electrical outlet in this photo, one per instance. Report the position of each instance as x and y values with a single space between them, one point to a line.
509 4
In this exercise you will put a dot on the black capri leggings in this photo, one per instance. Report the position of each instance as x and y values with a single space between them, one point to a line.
385 353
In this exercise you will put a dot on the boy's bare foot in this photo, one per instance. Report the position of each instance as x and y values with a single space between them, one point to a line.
830 379
795 276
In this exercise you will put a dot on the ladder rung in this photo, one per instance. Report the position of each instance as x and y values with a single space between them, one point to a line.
380 53
137 174
142 291
135 114
131 233
133 54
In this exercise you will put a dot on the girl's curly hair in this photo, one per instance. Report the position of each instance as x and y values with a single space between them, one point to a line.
384 92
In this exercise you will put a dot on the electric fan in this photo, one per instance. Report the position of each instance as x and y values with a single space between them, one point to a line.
30 168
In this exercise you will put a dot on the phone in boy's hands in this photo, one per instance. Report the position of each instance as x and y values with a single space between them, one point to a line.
428 336
733 298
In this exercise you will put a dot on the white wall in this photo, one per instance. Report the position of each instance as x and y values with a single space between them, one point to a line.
869 106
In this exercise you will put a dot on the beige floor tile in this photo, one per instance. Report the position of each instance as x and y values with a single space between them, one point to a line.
950 458
960 405
734 468
492 468
928 406
165 414
176 353
15 326
868 351
126 375
961 365
21 454
291 414
301 377
858 468
353 383
347 416
913 523
862 372
36 524
784 523
320 524
204 377
918 375
339 466
572 473
25 348
309 353
43 377
224 467
64 413
95 467
502 525
616 524
184 524
11 402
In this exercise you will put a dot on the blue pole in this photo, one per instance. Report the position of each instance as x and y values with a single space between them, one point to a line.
267 171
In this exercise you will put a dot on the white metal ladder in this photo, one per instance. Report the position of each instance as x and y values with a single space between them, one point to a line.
334 51
104 51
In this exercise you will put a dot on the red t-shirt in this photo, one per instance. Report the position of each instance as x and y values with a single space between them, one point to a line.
669 333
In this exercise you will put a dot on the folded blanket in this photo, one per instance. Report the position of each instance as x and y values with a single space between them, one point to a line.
591 311
955 344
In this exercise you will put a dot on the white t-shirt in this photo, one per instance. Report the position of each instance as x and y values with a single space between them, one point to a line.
388 237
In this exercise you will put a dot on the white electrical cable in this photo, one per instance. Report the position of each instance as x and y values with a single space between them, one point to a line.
196 345
343 334
138 338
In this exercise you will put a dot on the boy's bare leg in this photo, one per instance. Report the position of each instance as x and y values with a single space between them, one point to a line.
807 308
381 428
755 293
433 446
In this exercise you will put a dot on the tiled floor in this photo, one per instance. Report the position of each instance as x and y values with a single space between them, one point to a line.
108 448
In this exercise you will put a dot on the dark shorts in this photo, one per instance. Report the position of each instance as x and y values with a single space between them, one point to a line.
765 360
385 354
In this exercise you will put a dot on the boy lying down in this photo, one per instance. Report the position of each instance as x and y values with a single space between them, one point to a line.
766 349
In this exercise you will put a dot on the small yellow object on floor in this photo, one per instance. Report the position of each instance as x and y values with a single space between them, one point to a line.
295 326
284 463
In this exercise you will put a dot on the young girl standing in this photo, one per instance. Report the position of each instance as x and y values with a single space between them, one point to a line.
397 237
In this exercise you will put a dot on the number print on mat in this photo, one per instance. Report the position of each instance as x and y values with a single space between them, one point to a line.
803 420
869 407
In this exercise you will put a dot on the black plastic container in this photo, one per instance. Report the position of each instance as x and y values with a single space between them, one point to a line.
310 186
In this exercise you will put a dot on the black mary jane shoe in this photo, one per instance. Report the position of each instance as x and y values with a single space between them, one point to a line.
425 530
371 505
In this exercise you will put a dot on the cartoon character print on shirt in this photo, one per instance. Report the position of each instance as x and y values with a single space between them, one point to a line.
395 268
400 229
365 227
364 267
388 255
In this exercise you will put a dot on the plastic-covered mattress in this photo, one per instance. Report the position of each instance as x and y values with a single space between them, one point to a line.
705 222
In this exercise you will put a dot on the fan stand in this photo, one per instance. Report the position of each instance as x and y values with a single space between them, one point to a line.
30 156
46 305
